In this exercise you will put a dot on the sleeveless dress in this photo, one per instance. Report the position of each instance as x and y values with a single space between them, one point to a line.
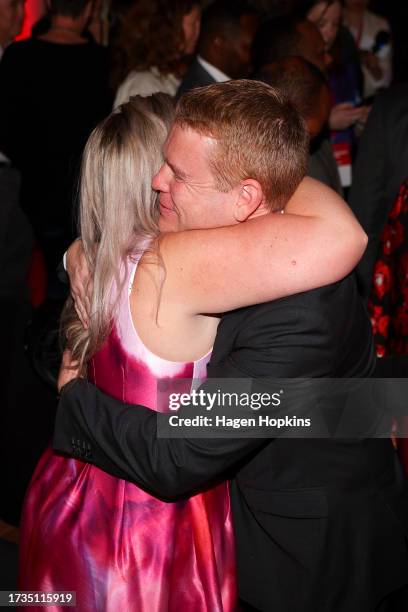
119 548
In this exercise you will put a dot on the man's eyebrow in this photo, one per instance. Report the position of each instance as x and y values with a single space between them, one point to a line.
175 169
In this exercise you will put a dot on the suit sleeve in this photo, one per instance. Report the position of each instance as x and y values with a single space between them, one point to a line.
367 196
122 440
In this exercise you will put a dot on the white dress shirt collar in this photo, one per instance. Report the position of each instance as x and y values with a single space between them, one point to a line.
216 74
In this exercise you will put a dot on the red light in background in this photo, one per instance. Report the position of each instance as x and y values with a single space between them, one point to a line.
34 10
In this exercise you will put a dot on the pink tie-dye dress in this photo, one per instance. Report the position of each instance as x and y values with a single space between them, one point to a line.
116 546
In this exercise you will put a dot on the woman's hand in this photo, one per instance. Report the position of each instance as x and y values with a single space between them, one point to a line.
68 370
345 115
80 281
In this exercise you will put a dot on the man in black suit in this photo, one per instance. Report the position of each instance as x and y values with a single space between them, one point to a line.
381 167
224 47
320 524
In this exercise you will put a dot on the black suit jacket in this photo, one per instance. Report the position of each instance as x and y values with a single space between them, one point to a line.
320 524
196 76
381 167
322 165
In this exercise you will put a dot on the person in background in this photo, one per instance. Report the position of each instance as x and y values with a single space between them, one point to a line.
372 36
288 36
11 21
53 92
224 47
381 168
345 81
378 198
94 31
388 305
154 46
19 450
304 85
16 245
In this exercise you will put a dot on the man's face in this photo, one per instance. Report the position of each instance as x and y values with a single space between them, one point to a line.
187 194
312 46
238 45
11 19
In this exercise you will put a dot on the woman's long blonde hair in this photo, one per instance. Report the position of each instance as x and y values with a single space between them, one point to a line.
118 209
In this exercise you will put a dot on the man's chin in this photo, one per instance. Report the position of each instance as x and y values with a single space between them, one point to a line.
166 226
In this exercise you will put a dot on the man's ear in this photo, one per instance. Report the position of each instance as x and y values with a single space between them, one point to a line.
249 200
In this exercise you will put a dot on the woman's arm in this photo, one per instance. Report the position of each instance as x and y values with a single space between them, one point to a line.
316 242
81 284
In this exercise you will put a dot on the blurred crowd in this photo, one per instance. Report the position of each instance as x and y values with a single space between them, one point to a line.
343 64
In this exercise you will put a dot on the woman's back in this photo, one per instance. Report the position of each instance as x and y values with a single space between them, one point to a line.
126 368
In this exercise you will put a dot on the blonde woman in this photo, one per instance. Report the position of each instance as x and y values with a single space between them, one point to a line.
112 542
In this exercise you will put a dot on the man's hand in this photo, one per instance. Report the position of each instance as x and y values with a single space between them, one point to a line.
80 281
68 370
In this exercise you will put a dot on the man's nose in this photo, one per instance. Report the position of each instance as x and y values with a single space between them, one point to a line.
159 182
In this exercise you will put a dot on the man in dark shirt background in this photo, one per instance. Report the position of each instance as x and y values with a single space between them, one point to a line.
53 93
